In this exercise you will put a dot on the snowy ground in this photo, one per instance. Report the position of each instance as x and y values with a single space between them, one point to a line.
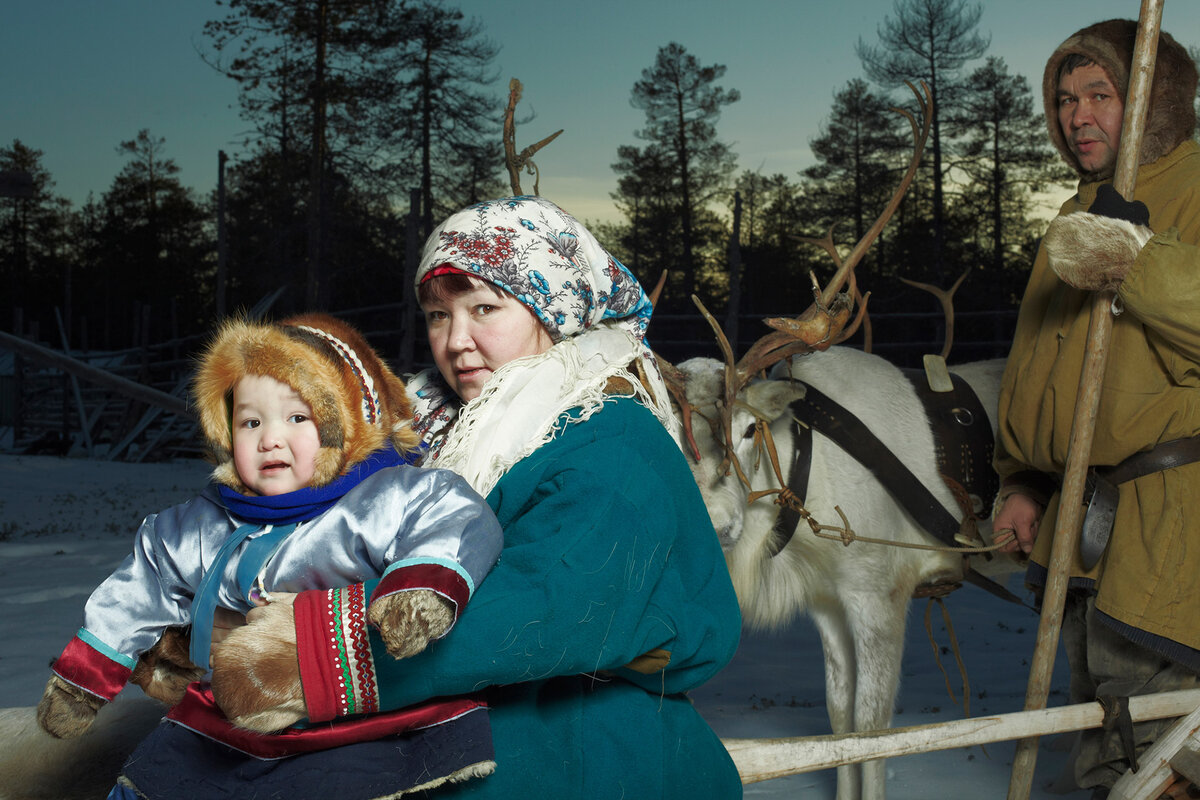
65 523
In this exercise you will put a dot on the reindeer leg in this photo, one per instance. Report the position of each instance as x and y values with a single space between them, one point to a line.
840 685
878 644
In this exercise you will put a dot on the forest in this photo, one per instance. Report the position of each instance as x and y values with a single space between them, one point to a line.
370 121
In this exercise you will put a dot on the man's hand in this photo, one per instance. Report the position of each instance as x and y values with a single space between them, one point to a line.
1021 515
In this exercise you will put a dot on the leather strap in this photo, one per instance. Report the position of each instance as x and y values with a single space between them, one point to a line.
833 421
1167 455
797 481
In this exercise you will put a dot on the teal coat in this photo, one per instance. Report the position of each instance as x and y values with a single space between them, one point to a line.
609 555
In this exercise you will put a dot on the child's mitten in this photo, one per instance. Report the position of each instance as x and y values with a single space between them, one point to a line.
410 620
164 671
66 711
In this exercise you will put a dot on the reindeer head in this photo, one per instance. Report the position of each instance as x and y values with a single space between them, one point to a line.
760 403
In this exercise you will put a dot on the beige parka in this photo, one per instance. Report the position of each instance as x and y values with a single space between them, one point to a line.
1146 583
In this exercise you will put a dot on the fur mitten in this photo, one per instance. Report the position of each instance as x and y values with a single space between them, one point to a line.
66 711
256 672
1093 251
408 621
164 671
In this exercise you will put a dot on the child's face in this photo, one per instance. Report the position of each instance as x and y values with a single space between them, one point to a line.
275 441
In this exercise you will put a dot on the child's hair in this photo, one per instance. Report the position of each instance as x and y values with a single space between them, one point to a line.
357 403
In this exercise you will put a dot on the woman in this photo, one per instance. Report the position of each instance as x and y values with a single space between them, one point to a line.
611 597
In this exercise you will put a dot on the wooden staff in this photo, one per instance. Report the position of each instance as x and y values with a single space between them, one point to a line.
1070 506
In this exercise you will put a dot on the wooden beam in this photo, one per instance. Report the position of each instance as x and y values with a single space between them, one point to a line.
764 759
85 371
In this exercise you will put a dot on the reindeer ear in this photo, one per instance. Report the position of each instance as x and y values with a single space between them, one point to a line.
772 397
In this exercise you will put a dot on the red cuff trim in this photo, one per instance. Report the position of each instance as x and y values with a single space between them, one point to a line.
434 577
337 672
86 667
199 712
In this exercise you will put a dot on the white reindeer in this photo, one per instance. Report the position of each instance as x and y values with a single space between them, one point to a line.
857 596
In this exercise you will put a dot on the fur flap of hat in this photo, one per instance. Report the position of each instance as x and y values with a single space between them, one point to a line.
358 404
1171 115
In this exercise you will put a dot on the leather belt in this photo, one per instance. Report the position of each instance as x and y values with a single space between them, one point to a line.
1101 494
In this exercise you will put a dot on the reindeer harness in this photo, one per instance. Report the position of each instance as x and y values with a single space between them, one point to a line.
963 448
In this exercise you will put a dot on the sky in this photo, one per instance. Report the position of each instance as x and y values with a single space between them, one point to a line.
81 76
68 522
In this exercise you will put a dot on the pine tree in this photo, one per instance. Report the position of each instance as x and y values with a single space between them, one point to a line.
930 41
1004 153
33 239
682 103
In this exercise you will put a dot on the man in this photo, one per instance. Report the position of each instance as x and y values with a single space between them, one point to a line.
1132 623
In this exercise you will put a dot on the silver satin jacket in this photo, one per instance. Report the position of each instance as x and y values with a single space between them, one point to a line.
398 516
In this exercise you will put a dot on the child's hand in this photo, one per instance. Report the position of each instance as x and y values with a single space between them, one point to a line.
408 621
67 711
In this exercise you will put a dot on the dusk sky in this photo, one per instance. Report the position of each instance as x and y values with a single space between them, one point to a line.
80 76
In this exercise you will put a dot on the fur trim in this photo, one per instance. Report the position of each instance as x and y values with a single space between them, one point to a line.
1171 116
357 402
1092 251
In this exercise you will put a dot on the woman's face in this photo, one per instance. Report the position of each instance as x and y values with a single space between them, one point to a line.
474 333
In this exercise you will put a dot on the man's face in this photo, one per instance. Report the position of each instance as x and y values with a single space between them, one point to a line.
1090 112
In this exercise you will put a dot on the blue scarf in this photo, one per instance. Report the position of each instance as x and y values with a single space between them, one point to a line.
304 504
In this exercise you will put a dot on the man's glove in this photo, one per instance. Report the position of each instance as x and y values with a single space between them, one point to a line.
1109 203
164 671
66 711
408 621
256 672
1095 250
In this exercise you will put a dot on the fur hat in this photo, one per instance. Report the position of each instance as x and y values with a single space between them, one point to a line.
357 403
1171 116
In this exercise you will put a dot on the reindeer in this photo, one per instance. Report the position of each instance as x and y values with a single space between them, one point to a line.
857 594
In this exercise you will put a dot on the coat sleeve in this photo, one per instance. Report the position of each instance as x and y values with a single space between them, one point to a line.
1163 291
150 591
610 566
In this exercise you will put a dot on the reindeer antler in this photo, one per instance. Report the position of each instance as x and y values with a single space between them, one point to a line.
946 298
824 322
523 160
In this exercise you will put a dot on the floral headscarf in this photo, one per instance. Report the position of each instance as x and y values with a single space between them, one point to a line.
594 309
541 255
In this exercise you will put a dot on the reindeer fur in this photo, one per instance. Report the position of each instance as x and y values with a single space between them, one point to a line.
858 596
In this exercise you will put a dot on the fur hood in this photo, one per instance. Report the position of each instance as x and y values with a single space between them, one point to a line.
1171 116
357 402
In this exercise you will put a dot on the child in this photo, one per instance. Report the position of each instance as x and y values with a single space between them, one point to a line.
311 433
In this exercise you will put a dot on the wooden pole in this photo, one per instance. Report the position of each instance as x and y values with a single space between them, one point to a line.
764 759
1070 506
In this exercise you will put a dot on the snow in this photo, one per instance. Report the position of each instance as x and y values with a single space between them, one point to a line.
66 523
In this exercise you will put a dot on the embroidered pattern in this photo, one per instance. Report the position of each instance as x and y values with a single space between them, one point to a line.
349 649
370 407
